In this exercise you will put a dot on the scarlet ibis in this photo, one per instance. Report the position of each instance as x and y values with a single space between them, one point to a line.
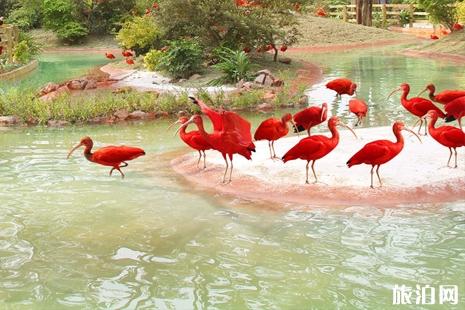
443 97
434 37
455 110
155 5
283 48
246 49
449 136
379 152
112 156
217 119
1 50
321 12
273 129
127 53
315 147
110 56
233 138
193 139
310 117
359 108
457 27
129 61
417 106
342 86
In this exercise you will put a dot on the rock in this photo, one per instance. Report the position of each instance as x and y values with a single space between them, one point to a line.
264 107
173 80
77 84
137 115
121 114
182 80
303 100
55 123
50 87
195 77
277 83
263 79
285 60
91 84
270 95
9 120
240 84
97 120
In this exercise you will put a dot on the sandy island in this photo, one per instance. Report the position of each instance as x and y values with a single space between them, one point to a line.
418 175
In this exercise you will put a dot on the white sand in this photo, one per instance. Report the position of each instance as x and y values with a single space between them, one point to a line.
417 174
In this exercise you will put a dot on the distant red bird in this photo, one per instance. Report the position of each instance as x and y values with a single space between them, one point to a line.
217 119
315 147
321 12
283 48
449 136
417 106
273 129
310 117
443 97
379 152
155 6
457 27
127 54
246 49
359 108
129 61
110 56
455 110
193 139
233 138
342 86
148 11
112 156
1 50
434 37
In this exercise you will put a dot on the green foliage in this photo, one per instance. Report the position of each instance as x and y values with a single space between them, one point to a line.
404 17
461 12
26 49
249 99
182 59
152 59
440 11
106 16
72 32
23 17
139 34
57 13
235 66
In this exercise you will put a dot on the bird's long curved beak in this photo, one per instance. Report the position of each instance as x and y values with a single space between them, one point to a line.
411 131
176 122
190 121
295 127
394 91
323 110
351 130
422 92
73 149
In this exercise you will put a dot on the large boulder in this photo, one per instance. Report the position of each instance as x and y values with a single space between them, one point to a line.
138 115
9 120
121 114
50 87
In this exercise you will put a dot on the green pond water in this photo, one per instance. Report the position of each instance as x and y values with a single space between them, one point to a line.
72 237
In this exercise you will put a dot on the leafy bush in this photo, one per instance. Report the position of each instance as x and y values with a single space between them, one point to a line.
152 59
57 13
23 17
72 32
461 12
404 17
440 11
139 34
182 59
235 66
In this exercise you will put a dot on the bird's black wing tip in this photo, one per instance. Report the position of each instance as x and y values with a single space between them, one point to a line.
299 128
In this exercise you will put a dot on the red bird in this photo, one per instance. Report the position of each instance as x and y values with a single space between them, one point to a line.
283 48
217 121
359 108
457 27
156 6
127 53
380 152
455 110
129 61
321 12
310 117
111 156
273 129
434 37
193 139
417 106
233 138
443 97
110 56
342 86
1 50
315 147
246 50
448 136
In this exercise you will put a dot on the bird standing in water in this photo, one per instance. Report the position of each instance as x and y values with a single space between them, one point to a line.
359 108
112 156
310 117
273 129
342 86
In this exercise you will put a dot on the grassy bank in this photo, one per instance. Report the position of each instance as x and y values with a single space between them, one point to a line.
454 44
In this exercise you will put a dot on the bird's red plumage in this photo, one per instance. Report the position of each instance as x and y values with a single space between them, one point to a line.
342 86
271 129
115 155
417 106
193 138
310 117
358 107
447 96
375 153
456 108
214 116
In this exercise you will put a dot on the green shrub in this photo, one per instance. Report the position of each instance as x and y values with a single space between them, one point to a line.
72 32
404 17
235 66
440 11
182 59
24 18
461 12
139 34
21 53
152 59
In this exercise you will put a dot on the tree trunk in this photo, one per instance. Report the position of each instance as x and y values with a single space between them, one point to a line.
275 57
367 12
359 6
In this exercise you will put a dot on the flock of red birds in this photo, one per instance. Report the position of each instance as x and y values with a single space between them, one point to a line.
232 134
127 54
455 27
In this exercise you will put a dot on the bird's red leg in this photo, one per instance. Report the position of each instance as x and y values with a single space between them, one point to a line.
426 127
377 173
111 171
455 150
226 170
125 164
308 131
314 174
204 161
306 172
269 146
371 172
274 152
460 123
200 157
450 156
230 171
419 128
